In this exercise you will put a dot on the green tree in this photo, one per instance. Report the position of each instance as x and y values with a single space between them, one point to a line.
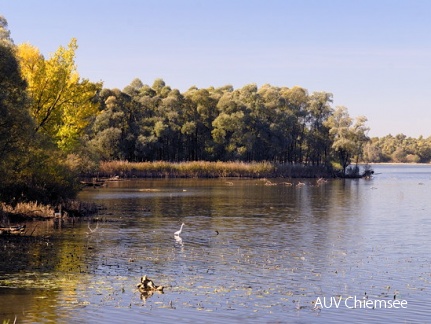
423 149
109 132
202 112
230 125
318 139
296 102
372 152
347 138
279 122
15 121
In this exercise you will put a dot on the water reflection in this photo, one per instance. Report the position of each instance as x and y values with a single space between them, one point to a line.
248 252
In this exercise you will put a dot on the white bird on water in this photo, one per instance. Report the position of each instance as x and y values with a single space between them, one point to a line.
177 233
178 240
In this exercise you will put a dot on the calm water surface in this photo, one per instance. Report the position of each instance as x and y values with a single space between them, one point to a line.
249 252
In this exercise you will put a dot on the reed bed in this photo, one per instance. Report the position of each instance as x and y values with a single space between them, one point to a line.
30 209
26 210
206 169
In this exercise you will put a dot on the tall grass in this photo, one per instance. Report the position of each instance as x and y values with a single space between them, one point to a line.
205 169
40 211
30 209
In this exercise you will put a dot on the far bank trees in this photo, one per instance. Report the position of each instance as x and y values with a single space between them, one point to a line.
278 124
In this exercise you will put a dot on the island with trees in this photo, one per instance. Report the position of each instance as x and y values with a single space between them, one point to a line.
56 128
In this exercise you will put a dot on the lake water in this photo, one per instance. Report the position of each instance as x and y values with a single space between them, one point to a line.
249 252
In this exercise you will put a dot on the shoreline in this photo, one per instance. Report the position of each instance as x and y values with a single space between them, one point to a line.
399 163
123 170
208 169
34 211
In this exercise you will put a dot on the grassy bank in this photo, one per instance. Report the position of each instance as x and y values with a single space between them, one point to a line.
35 210
204 169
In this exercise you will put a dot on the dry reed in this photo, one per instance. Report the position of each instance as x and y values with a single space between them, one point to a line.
37 210
206 169
30 209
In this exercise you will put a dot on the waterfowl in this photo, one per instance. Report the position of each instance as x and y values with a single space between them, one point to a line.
179 232
147 284
178 239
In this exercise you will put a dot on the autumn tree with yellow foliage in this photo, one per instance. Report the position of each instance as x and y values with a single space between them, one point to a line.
44 108
61 102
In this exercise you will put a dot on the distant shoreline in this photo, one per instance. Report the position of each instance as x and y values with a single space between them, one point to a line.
396 163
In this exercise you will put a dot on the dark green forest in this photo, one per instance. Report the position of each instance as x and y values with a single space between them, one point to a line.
56 126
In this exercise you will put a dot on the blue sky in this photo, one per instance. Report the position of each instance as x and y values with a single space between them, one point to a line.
373 55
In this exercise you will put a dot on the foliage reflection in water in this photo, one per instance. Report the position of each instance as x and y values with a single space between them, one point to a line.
248 252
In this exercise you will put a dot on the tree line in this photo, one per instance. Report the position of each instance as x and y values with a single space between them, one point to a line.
56 125
280 124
